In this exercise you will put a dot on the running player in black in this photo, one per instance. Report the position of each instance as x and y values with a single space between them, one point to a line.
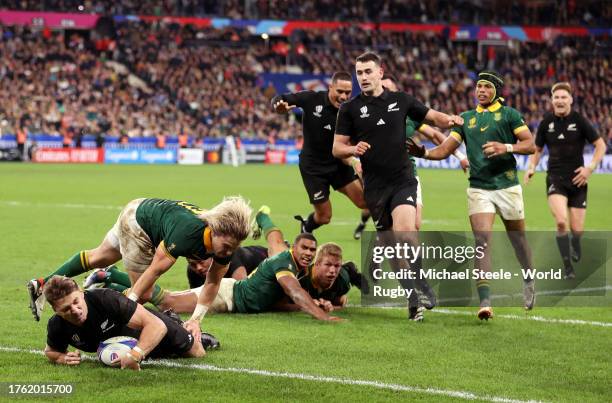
318 167
565 132
372 126
84 319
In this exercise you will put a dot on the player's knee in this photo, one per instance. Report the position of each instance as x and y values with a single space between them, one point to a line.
561 226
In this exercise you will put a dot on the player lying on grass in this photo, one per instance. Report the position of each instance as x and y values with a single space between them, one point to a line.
327 281
84 319
492 133
150 234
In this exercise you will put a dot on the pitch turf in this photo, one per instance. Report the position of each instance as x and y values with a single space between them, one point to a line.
48 212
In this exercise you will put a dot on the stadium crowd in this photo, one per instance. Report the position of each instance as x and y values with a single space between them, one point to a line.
490 12
168 78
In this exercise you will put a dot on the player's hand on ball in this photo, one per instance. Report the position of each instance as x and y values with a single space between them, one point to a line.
72 358
465 165
127 362
283 107
493 149
361 148
418 150
194 328
582 176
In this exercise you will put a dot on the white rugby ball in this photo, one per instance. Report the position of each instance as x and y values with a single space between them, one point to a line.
115 347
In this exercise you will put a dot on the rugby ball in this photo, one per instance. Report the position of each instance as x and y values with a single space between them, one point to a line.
115 347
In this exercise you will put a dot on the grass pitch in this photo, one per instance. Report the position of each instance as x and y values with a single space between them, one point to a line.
49 212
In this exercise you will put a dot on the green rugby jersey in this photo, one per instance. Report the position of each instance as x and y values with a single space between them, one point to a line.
261 289
411 128
175 226
496 123
341 286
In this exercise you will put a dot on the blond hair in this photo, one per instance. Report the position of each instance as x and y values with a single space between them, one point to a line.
328 249
230 217
563 85
58 287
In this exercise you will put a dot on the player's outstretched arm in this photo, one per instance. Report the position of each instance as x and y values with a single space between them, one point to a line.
448 146
534 159
160 264
153 331
443 120
65 358
437 137
206 298
301 298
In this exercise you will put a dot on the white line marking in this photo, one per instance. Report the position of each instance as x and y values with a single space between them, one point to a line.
505 316
305 377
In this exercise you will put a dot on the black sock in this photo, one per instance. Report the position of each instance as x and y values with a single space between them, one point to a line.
563 242
311 224
365 217
576 244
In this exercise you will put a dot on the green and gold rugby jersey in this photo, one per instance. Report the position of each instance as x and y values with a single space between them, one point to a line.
496 123
261 289
341 286
175 226
411 128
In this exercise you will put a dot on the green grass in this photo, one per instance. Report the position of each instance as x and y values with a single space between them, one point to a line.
48 212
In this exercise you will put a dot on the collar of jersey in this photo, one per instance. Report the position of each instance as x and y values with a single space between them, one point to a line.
491 108
207 237
370 98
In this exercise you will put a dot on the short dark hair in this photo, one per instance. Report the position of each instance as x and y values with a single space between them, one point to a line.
342 76
369 57
304 235
390 77
58 287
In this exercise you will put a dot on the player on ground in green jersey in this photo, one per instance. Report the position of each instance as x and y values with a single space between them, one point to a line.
492 132
275 278
150 234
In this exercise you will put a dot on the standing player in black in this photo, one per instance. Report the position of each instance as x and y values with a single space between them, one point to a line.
375 122
318 167
564 132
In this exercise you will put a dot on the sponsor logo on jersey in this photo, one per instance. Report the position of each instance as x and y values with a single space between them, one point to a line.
318 110
561 137
318 195
392 107
571 127
380 122
328 127
482 129
104 326
364 112
472 123
497 116
410 199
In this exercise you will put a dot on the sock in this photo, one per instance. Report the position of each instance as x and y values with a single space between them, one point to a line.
118 277
576 244
563 242
74 266
265 222
365 217
311 224
158 295
483 292
117 287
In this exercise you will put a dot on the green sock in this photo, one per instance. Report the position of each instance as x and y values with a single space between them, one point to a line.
158 295
118 277
74 266
483 292
265 222
116 287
